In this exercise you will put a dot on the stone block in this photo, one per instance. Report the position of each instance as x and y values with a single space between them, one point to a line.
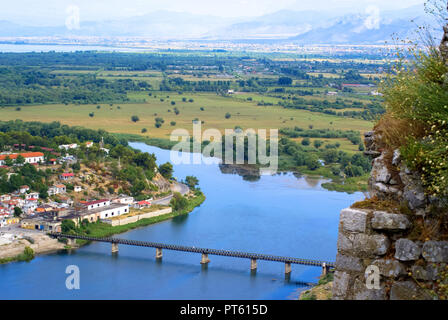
348 263
390 268
353 220
407 250
389 221
408 290
363 245
341 285
435 251
361 292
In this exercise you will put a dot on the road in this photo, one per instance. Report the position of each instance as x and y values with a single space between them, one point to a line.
176 187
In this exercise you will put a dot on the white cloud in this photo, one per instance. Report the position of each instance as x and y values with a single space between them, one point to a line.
373 19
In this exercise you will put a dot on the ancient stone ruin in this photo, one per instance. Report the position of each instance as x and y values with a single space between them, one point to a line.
394 233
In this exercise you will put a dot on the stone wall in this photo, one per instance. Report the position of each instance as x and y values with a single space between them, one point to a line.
119 221
389 238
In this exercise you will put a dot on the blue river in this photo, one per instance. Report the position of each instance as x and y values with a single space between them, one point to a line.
281 214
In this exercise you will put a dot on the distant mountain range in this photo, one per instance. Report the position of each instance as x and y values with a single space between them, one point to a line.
304 27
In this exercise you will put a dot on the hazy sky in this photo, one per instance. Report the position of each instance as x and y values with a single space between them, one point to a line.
54 12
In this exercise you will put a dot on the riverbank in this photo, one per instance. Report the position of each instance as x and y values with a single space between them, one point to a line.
337 183
101 229
39 243
17 248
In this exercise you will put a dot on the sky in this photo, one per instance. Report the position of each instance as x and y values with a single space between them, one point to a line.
55 12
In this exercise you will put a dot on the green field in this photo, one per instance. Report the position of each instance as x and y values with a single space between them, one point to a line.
245 114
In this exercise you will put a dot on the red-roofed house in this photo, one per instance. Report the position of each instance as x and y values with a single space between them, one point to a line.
66 176
143 204
30 157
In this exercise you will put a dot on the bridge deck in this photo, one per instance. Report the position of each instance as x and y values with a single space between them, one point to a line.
218 252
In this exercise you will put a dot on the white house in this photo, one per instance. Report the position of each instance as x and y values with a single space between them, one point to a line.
97 204
77 188
32 195
113 210
30 157
68 146
5 197
57 189
24 189
124 200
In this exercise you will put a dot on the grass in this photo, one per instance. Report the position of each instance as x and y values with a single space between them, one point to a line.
27 255
245 114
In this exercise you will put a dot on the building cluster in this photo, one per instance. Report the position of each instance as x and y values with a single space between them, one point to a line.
27 208
41 215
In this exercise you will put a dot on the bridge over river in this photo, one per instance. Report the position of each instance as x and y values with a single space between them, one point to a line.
254 257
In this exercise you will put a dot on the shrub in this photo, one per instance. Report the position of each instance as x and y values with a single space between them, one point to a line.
306 142
227 116
135 118
416 119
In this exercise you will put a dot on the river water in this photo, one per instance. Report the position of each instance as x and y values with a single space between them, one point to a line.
280 215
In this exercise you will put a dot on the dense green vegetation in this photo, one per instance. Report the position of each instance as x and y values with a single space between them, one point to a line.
135 167
27 85
417 117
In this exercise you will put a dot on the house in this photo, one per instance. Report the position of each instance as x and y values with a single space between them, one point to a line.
142 204
101 212
68 146
6 219
97 204
124 200
89 144
230 91
77 188
57 189
66 176
24 189
105 150
30 157
32 195
332 93
42 224
5 197
53 161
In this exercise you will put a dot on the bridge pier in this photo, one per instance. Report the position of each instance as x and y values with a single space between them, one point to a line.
71 242
114 247
205 259
287 268
253 264
158 253
325 269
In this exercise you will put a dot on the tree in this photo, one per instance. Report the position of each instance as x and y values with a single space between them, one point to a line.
8 161
166 170
317 144
17 212
191 181
67 226
135 118
20 160
306 142
144 130
178 202
284 81
228 115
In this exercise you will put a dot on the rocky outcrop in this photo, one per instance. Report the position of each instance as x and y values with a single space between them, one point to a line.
381 243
